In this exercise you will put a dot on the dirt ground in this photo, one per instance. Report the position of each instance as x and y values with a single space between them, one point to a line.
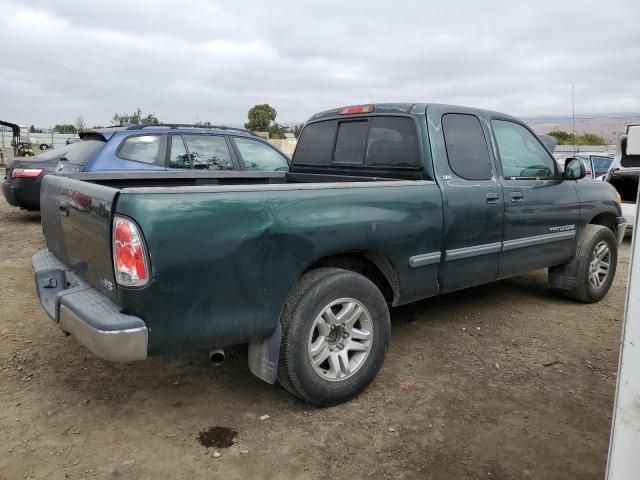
508 380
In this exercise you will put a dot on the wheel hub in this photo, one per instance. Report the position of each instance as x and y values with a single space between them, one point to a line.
599 265
340 339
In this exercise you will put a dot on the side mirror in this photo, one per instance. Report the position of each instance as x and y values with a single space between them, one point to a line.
630 147
574 169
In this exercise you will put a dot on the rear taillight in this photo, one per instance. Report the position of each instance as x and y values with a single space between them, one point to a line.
26 172
356 109
129 257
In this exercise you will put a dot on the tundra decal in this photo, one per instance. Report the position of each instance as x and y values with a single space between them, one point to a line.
562 228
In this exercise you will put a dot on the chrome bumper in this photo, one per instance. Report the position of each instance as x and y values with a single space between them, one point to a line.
81 310
622 227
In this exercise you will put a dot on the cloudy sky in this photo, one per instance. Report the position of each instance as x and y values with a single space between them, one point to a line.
214 60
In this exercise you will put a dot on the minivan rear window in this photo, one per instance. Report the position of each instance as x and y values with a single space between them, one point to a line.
84 150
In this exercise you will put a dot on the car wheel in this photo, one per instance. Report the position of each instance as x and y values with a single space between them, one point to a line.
44 146
597 258
335 334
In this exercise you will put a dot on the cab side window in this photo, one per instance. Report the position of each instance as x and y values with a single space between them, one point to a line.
521 153
466 145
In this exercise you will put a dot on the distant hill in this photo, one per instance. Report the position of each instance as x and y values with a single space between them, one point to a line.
608 125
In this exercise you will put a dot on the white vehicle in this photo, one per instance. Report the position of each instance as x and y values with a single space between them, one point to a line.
623 174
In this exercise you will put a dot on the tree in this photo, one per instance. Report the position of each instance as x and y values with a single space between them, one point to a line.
566 138
276 131
260 117
136 118
65 128
591 139
297 129
80 124
561 136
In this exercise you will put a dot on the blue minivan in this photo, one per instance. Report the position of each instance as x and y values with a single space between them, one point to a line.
170 147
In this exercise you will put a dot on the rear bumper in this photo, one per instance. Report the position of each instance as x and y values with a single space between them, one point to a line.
81 310
22 193
621 223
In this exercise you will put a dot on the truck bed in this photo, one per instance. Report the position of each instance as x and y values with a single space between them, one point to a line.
224 248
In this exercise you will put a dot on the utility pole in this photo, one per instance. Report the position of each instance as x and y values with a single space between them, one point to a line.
573 116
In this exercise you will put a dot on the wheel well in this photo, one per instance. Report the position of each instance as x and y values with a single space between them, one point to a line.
375 267
605 219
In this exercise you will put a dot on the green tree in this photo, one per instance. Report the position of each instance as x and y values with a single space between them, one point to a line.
561 136
297 129
566 138
260 117
276 131
65 128
135 118
590 139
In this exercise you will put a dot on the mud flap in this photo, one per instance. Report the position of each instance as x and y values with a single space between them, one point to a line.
263 355
563 277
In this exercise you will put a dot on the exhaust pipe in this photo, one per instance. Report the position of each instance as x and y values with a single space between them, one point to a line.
216 355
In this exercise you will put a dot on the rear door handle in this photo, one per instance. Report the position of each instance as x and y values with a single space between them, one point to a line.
517 197
492 197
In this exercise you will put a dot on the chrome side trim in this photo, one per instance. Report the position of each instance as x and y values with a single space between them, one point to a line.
424 259
114 345
270 187
467 252
537 240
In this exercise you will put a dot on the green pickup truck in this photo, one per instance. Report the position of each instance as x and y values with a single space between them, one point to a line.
384 205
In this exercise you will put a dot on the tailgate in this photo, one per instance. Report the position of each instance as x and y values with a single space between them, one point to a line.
76 220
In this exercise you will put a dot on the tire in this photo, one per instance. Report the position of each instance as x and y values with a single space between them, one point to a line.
594 238
338 295
44 146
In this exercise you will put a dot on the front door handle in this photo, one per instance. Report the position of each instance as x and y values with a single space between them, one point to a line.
517 197
492 197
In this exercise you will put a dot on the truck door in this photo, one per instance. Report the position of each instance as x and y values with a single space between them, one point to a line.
541 209
472 197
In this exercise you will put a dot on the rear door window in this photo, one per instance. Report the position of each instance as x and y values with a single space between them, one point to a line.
466 145
141 148
315 146
350 143
209 152
392 142
260 157
178 157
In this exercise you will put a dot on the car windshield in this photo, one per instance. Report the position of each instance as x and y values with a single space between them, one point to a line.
55 153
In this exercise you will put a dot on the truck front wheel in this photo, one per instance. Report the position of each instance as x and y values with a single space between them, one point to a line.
596 257
335 333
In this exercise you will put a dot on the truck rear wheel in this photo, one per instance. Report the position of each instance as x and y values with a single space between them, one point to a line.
335 333
597 257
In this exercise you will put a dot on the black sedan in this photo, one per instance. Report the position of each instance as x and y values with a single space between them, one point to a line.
21 186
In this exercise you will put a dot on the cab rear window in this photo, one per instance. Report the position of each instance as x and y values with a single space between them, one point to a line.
315 146
371 142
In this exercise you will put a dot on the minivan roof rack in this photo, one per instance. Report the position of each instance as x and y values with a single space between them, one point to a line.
190 125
